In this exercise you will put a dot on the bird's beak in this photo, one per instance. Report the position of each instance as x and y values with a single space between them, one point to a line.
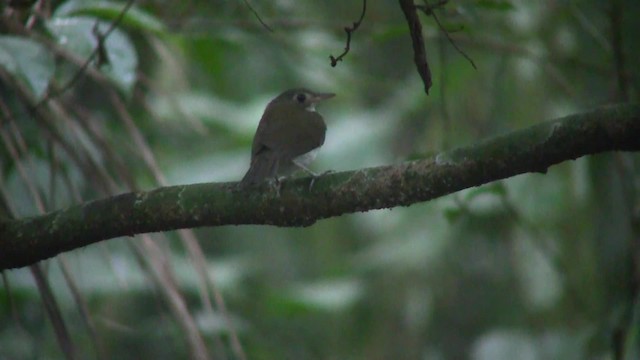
322 96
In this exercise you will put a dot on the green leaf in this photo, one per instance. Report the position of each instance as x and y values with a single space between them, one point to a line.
76 35
28 61
134 18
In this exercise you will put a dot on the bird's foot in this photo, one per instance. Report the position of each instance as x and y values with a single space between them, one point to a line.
315 177
276 185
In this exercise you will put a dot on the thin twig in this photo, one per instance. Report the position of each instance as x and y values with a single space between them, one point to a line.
83 306
45 118
429 11
53 312
445 116
255 13
12 146
103 55
96 51
349 31
44 288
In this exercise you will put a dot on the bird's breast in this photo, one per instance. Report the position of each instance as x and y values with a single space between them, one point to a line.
307 158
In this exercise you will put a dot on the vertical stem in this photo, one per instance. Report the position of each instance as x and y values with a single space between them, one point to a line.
622 334
616 13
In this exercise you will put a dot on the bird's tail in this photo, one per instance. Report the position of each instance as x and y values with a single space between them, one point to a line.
263 166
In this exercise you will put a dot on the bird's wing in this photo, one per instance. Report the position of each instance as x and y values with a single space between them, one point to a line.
281 136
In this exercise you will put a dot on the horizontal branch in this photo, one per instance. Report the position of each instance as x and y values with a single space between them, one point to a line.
28 240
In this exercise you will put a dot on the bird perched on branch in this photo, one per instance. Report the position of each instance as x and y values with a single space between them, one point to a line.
289 136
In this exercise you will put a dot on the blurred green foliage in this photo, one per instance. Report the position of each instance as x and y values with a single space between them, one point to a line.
533 267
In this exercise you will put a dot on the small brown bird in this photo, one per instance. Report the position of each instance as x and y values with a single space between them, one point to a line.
289 136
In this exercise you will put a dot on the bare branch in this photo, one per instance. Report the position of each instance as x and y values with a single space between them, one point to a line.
349 31
419 52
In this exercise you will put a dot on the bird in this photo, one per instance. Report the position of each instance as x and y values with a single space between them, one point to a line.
288 137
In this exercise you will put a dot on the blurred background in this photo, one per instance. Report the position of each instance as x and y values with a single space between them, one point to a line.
533 267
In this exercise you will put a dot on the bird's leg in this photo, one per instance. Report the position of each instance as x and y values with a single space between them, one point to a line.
314 175
318 176
276 185
273 178
304 168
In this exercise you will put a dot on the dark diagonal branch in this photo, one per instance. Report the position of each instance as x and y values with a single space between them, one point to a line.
419 52
349 31
26 241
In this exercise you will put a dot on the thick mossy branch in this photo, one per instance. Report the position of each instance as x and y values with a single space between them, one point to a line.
26 241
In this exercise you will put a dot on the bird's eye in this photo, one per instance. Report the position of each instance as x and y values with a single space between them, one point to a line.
301 98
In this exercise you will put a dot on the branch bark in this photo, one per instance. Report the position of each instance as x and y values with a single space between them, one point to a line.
417 41
28 240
